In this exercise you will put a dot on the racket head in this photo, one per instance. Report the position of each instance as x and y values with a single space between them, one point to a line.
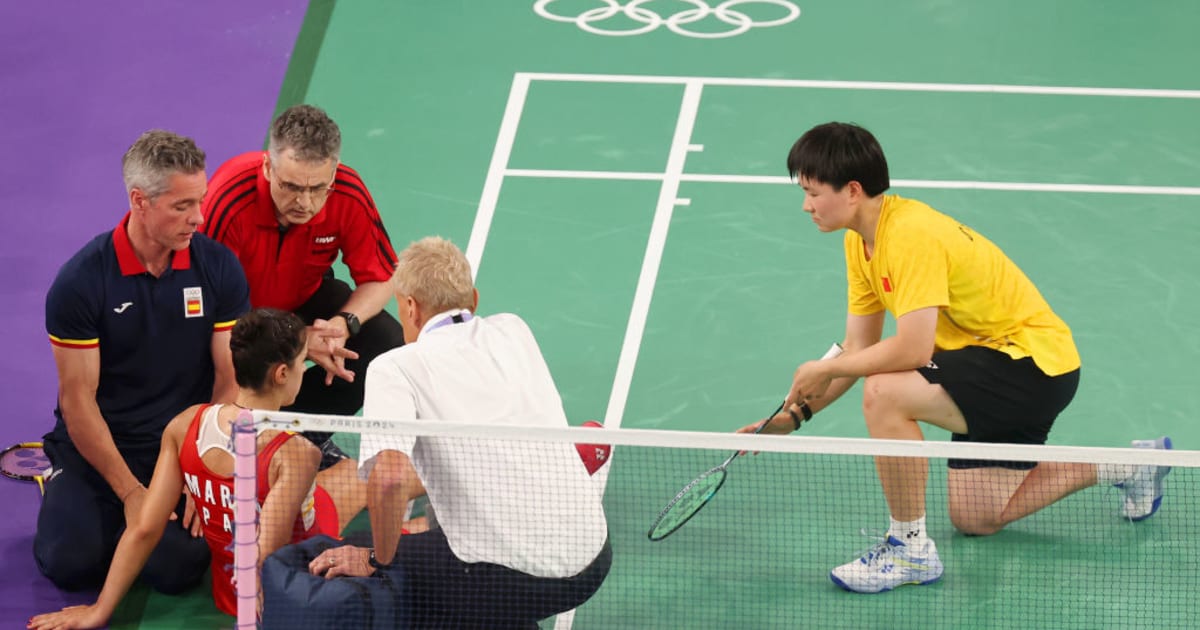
25 461
690 500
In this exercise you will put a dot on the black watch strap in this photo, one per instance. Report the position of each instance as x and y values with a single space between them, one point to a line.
352 323
374 562
804 409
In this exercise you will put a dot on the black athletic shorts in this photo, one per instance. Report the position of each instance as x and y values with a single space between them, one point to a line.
1003 400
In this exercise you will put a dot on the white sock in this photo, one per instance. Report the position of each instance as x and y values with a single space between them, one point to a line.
1113 473
911 533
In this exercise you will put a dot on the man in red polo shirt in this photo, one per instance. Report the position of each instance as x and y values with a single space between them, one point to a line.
286 213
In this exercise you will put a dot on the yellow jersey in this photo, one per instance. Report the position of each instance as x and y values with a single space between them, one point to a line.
924 258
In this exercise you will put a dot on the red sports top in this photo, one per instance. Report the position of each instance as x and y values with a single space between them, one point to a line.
213 496
285 268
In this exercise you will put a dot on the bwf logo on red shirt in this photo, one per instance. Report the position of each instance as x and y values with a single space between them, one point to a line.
887 284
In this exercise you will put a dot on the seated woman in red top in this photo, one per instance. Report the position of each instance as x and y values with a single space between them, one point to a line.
268 348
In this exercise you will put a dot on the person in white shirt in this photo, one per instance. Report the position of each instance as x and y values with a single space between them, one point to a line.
522 533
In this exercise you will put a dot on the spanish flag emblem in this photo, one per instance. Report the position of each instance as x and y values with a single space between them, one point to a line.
193 302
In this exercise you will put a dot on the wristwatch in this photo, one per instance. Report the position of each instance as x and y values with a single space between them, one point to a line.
352 323
375 563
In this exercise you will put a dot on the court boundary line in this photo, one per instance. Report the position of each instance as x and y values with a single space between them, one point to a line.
501 154
668 198
1111 189
999 88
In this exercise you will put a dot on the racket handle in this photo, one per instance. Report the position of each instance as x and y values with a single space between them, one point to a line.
832 352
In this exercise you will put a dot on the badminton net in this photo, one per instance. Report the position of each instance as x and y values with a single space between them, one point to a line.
759 554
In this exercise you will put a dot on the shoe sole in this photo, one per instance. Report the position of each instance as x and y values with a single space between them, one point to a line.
846 587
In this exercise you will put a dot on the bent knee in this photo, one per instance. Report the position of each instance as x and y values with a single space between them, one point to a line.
71 567
975 526
875 391
177 564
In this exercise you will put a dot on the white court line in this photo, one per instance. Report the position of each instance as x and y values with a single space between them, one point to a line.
864 85
496 170
667 198
898 183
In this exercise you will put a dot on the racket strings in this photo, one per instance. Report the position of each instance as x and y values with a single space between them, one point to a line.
25 461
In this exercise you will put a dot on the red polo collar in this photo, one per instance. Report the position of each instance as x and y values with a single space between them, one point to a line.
127 258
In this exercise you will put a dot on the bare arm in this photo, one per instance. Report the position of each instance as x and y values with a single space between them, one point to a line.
224 384
293 469
368 299
141 537
910 348
392 484
137 542
78 380
862 332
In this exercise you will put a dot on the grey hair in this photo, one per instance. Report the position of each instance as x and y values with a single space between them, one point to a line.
155 156
308 131
434 272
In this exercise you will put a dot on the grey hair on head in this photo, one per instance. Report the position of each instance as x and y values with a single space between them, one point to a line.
155 156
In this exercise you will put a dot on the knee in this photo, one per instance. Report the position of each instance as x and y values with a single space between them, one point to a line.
71 564
879 398
177 564
974 524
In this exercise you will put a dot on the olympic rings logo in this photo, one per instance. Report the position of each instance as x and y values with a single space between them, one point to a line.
678 22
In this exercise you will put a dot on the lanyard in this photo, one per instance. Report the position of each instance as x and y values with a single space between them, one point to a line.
457 318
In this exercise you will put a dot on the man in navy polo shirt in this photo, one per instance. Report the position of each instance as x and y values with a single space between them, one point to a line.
139 322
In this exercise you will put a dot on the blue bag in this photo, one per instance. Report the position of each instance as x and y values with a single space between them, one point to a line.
295 599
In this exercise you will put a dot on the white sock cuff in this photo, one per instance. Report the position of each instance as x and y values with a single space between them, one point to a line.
907 531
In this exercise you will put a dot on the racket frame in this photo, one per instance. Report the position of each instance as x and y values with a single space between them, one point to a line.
706 474
719 470
834 350
20 476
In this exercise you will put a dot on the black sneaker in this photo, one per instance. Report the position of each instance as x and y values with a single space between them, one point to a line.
331 454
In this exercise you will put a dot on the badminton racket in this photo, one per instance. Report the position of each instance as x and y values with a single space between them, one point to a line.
701 490
25 461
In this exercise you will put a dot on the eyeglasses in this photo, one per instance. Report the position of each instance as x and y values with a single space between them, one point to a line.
296 190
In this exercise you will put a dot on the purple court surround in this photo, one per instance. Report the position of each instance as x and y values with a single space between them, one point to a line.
81 81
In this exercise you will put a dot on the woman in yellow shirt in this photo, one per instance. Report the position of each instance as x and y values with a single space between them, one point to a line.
977 351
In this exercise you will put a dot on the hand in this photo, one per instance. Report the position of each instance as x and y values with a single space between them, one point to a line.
327 348
778 423
345 560
810 382
191 519
69 618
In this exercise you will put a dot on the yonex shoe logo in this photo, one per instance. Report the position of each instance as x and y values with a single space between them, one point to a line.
593 20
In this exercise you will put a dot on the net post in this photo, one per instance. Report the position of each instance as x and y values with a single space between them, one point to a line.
245 520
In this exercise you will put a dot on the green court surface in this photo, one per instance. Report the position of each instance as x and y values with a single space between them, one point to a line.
627 197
